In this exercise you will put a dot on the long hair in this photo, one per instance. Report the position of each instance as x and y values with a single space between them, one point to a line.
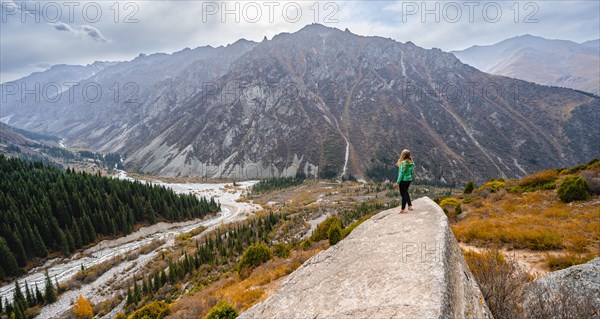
405 155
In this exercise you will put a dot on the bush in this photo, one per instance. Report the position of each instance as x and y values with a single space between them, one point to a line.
469 187
573 188
451 206
222 310
593 180
83 308
254 256
558 262
155 310
539 180
322 231
469 200
334 234
282 250
501 281
493 185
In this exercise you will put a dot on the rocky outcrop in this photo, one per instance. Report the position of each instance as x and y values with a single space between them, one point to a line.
391 266
569 293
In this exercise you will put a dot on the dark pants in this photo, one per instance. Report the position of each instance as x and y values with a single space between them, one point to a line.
403 185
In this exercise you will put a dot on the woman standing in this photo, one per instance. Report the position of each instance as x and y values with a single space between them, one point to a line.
405 171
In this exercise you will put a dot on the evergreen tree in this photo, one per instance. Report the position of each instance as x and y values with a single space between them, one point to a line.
77 240
38 244
50 293
8 263
38 296
29 296
137 294
18 297
89 228
469 187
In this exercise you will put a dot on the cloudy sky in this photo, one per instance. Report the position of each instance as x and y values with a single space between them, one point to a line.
37 34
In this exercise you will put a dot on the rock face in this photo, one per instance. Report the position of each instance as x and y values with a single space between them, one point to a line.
391 266
569 293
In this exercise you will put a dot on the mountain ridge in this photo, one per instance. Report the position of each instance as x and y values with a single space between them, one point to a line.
297 102
545 61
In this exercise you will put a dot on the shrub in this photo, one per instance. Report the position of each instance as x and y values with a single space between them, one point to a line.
222 310
539 180
573 188
493 185
593 180
451 206
322 231
501 281
306 244
334 234
83 308
469 187
255 255
469 200
281 250
155 310
558 262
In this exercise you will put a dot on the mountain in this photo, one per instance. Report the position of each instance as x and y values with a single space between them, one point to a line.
325 102
548 62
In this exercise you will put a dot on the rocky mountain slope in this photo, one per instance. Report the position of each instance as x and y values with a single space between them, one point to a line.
323 101
548 62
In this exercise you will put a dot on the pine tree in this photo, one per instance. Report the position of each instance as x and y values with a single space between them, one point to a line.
50 293
29 296
137 294
18 297
64 243
70 240
89 229
19 311
129 296
76 234
8 263
38 244
144 285
38 296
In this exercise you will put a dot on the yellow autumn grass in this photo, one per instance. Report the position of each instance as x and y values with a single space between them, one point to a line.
537 220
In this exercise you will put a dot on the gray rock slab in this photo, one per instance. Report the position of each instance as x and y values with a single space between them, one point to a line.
391 266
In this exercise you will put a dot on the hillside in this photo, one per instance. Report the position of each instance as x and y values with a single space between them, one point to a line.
324 102
527 218
46 211
549 62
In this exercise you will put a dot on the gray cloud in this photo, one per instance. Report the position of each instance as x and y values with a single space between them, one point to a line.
94 33
62 27
168 26
83 30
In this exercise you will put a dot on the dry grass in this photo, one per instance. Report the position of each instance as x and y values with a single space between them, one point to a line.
241 293
536 221
501 280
